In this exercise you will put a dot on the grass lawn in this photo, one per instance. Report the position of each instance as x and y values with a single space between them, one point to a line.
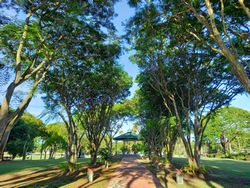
45 173
222 173
7 167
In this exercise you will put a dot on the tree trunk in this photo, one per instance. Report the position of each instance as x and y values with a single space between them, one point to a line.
208 147
193 163
51 152
171 146
14 156
4 140
66 153
223 143
41 154
93 157
72 159
24 151
149 153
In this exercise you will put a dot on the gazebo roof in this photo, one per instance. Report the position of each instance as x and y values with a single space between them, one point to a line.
129 136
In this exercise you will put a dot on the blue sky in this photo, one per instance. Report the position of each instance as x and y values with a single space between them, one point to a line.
124 13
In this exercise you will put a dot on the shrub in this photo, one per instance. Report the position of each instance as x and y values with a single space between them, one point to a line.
211 155
125 149
67 167
105 155
192 170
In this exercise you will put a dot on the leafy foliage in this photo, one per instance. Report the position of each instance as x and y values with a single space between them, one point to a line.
23 134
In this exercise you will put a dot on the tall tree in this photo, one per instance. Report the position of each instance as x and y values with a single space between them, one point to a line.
37 43
22 136
29 46
55 138
222 27
158 128
96 106
230 126
189 81
119 115
225 26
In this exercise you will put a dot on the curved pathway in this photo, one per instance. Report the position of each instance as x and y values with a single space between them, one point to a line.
133 174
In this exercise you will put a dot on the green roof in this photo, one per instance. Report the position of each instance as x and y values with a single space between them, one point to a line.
127 137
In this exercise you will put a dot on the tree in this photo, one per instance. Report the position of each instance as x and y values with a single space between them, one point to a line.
229 126
225 25
48 28
22 136
189 81
55 138
29 46
96 106
158 129
120 113
221 28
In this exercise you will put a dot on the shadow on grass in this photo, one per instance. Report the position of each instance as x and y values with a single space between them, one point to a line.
7 167
225 172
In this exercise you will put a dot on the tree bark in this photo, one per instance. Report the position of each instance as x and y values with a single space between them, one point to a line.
51 153
4 140
229 54
94 157
72 148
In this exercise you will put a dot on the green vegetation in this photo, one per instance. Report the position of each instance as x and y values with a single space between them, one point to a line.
222 173
19 166
22 137
193 60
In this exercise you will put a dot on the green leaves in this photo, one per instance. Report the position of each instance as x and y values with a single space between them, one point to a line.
22 136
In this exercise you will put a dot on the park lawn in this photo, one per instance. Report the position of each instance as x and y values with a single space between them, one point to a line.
221 173
45 173
7 167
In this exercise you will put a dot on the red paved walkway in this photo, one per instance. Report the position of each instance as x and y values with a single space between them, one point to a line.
133 174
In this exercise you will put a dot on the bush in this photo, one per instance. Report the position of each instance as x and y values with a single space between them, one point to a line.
125 149
67 167
220 155
155 159
105 155
211 155
239 156
192 170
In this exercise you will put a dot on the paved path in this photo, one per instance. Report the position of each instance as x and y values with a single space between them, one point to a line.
133 174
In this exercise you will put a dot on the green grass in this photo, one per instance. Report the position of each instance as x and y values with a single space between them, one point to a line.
223 167
18 165
224 172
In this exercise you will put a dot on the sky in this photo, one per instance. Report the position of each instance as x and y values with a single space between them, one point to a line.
124 12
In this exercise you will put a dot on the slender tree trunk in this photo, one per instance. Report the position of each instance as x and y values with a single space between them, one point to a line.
50 152
208 147
41 154
72 154
170 151
223 143
4 140
94 157
197 152
24 151
66 153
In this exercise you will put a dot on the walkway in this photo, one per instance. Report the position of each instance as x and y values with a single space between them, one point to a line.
133 174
